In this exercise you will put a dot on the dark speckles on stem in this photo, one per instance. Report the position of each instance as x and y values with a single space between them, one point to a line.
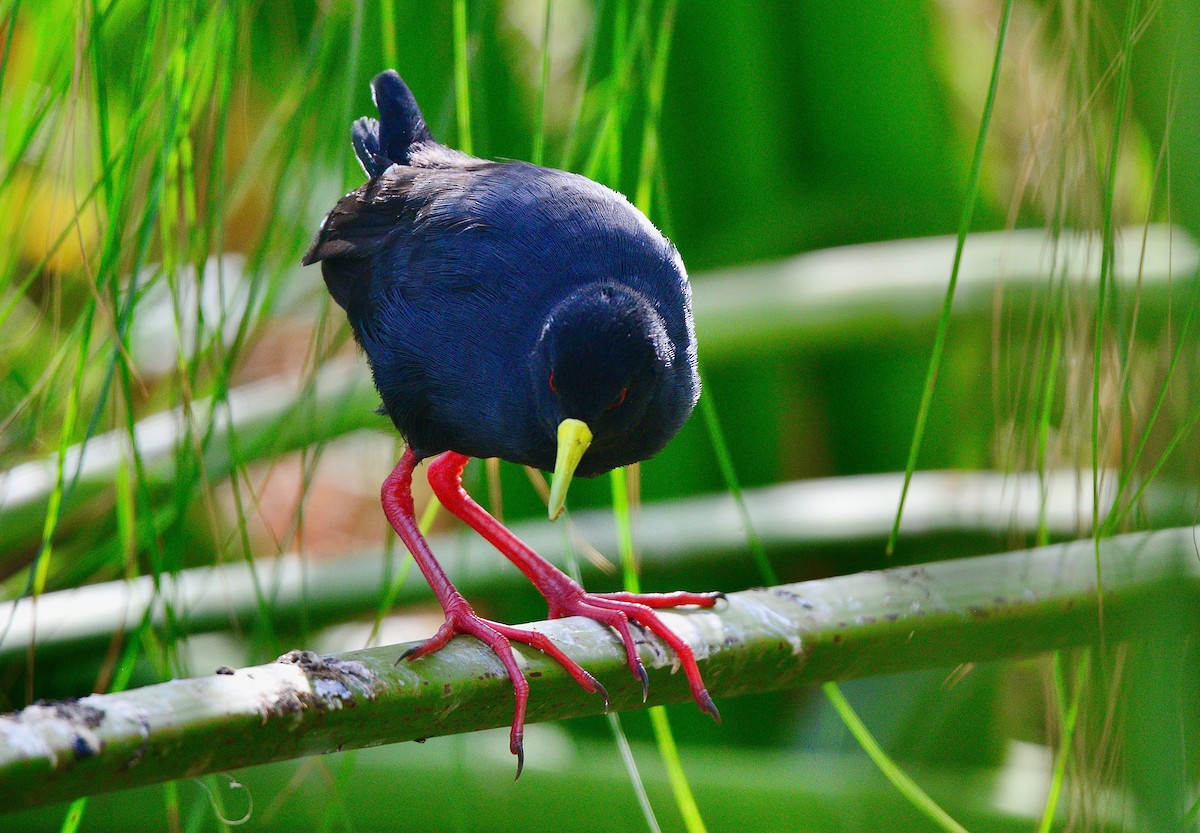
83 748
285 702
791 596
979 612
335 682
1000 600
837 639
81 719
446 689
75 712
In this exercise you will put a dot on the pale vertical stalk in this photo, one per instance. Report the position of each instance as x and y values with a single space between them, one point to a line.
539 126
462 90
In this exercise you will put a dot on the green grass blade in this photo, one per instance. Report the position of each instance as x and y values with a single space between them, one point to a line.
716 436
74 816
635 775
538 153
899 778
685 800
1069 717
939 342
619 484
387 28
581 97
628 761
654 99
462 89
1107 286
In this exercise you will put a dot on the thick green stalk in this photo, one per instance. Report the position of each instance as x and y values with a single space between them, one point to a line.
268 418
809 516
931 615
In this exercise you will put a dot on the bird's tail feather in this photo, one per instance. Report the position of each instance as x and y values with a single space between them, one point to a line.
388 140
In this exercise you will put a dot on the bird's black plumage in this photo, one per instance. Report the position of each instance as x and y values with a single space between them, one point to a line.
495 299
511 311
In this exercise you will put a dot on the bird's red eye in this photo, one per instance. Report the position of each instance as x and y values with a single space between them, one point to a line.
551 381
616 403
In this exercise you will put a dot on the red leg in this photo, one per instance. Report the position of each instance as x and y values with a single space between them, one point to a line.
564 595
460 618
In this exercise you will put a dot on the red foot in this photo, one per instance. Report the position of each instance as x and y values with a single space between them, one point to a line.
565 596
617 610
460 618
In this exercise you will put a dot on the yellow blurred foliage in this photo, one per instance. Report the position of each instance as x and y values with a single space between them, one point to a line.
40 209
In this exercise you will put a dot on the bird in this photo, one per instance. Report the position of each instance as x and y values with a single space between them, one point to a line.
520 312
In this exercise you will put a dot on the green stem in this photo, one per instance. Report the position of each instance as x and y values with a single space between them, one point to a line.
899 778
1069 716
691 534
685 800
539 126
931 615
462 91
939 341
716 436
1107 286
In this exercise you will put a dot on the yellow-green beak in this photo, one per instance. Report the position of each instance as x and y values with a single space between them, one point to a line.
574 437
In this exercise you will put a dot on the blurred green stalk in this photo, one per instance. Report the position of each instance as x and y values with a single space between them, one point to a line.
812 515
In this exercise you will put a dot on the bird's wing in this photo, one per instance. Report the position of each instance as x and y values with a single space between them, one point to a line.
394 211
358 227
365 219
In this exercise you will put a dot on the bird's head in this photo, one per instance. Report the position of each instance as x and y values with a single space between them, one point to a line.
607 383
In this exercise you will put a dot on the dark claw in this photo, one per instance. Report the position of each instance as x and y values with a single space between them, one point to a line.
603 693
707 705
407 653
520 751
640 671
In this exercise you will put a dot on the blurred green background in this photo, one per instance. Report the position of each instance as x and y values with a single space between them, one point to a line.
164 166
